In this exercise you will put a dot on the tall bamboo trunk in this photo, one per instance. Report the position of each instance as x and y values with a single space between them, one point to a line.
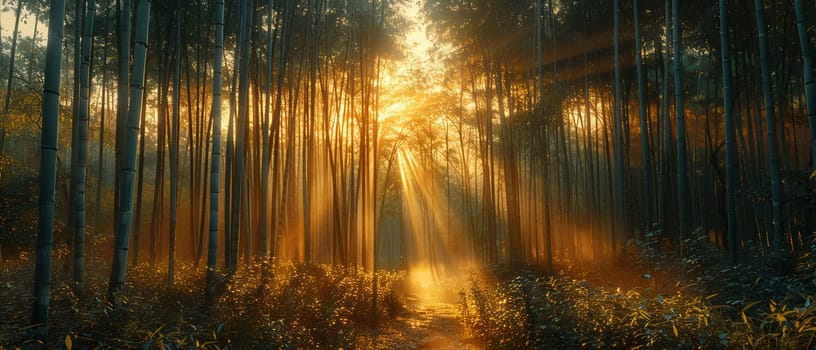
644 129
731 170
243 113
680 117
174 148
122 86
810 90
620 213
770 123
128 170
48 171
809 79
101 155
79 169
215 163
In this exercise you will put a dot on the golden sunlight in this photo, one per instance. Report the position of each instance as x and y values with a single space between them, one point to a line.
577 114
440 251
398 97
416 39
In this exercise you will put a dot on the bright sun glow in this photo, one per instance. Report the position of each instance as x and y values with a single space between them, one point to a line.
416 39
398 100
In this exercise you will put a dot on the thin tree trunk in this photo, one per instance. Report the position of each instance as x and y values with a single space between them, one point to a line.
122 86
665 180
809 79
682 172
101 157
731 170
243 113
644 129
34 38
229 169
215 163
80 168
157 217
11 57
48 171
265 152
125 213
773 152
2 135
137 215
75 102
620 204
174 148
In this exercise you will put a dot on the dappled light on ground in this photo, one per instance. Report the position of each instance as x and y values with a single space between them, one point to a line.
428 285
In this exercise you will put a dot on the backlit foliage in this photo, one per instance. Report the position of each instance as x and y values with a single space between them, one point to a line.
301 306
564 312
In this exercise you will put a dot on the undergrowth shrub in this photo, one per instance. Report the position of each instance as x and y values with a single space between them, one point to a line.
299 306
562 312
308 306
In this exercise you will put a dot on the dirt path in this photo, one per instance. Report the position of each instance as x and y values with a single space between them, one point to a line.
427 324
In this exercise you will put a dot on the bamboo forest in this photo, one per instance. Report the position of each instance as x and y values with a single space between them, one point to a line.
407 174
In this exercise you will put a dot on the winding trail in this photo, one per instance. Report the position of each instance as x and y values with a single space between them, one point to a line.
426 324
432 319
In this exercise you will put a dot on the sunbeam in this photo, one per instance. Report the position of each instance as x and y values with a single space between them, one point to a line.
439 251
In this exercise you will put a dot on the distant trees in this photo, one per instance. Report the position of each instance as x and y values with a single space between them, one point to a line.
691 192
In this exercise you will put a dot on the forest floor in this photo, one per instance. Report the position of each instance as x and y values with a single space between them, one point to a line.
649 299
614 305
697 299
424 325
